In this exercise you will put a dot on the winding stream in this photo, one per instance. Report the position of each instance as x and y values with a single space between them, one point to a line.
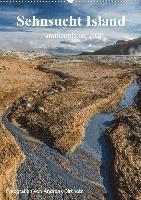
96 141
41 169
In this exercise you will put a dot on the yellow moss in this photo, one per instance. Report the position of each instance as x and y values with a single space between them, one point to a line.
10 158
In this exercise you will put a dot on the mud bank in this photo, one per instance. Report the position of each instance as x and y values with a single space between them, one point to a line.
97 143
69 169
40 111
45 168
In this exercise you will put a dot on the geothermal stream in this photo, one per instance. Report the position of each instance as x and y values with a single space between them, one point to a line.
97 143
41 170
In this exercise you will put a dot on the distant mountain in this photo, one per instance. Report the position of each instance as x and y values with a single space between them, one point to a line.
121 47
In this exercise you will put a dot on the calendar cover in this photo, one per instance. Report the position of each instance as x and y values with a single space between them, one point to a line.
70 100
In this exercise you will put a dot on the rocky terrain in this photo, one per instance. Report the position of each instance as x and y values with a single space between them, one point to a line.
16 78
51 101
126 139
75 96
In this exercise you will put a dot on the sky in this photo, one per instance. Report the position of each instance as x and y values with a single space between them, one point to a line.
13 38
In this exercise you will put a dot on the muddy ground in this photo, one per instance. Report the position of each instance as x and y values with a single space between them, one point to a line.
53 97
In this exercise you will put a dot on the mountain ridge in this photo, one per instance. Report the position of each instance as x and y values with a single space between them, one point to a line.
121 47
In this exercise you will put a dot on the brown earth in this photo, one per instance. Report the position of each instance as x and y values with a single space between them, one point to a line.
127 166
16 77
54 101
57 114
126 138
10 158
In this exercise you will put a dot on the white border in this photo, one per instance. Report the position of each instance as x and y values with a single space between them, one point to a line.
65 1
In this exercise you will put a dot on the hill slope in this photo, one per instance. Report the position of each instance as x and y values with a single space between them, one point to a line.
120 48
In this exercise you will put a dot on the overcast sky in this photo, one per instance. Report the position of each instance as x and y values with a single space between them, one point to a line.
14 38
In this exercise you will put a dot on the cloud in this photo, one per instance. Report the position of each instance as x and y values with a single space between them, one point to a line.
13 38
24 41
